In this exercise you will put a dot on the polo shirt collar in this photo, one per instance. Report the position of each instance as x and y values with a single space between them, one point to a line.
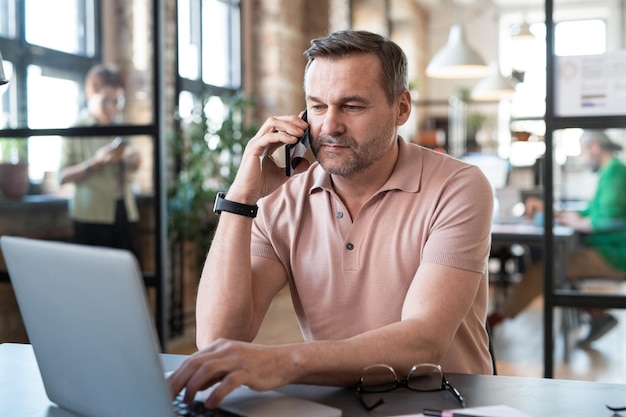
406 175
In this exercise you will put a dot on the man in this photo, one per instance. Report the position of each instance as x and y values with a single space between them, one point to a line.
384 244
603 225
103 206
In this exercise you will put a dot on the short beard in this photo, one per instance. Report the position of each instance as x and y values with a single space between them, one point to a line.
350 166
360 159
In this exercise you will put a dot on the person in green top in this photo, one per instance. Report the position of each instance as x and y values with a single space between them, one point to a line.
602 226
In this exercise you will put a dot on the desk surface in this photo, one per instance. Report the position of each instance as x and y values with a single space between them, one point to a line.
22 392
529 231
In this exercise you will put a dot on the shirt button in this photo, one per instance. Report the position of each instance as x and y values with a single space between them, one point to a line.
349 246
339 214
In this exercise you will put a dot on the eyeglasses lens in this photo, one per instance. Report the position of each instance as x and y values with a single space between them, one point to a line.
425 378
378 378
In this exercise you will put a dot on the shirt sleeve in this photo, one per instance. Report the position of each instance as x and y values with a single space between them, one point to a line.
461 231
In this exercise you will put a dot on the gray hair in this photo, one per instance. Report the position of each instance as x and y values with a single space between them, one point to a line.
348 42
601 138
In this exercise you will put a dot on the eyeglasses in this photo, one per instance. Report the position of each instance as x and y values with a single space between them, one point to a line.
108 99
426 377
112 101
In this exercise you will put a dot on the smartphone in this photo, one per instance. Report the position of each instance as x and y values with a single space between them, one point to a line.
117 142
295 152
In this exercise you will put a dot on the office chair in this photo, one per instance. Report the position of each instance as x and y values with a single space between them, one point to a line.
491 350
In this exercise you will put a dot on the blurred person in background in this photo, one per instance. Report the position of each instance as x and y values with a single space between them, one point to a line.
602 226
103 207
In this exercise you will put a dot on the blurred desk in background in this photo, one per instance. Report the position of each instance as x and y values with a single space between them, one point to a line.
528 237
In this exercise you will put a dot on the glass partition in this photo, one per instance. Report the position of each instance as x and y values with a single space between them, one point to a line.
52 98
590 197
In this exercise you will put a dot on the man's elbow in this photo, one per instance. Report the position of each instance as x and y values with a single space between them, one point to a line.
205 336
208 334
201 341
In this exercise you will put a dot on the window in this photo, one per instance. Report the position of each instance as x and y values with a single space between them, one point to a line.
209 42
572 37
62 25
209 55
50 46
209 52
7 18
580 37
220 21
528 57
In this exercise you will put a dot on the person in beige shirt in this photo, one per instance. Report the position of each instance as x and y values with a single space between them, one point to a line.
102 207
383 244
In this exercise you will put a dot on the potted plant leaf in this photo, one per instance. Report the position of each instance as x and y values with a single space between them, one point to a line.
206 152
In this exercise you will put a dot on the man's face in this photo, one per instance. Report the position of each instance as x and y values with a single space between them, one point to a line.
591 155
105 104
351 122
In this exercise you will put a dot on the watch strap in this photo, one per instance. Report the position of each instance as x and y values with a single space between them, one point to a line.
221 204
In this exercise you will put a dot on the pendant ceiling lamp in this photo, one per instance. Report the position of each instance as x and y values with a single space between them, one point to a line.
3 79
521 32
457 59
494 87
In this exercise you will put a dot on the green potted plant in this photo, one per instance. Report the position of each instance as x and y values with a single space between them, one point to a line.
14 167
206 152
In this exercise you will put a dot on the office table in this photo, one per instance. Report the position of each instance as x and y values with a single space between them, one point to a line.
532 236
22 392
529 233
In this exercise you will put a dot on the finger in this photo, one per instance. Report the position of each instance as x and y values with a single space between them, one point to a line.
177 379
202 378
208 369
265 144
180 378
225 387
271 149
290 124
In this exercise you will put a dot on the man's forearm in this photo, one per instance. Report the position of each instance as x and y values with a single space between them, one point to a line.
224 304
399 345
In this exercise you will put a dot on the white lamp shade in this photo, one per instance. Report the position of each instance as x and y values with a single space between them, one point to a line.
3 79
494 87
522 32
457 59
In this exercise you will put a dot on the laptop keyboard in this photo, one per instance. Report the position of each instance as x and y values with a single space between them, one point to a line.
197 409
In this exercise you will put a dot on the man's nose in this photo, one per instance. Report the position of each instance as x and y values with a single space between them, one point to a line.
333 123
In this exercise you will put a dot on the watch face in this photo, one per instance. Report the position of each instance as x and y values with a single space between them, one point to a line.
218 198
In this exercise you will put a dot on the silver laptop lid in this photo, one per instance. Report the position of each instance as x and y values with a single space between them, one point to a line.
87 317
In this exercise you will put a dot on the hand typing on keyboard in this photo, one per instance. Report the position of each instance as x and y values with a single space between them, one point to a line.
225 365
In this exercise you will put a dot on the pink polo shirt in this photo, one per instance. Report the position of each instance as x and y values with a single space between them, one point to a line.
348 276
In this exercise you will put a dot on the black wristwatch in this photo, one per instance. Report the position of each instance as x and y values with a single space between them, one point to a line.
221 204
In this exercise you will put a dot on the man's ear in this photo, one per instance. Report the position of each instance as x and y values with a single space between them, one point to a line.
403 104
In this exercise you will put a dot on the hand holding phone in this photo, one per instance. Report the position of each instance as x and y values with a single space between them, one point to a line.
295 152
117 142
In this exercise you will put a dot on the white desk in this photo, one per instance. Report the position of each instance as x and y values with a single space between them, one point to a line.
22 392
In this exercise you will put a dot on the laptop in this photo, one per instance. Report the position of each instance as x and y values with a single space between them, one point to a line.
87 317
